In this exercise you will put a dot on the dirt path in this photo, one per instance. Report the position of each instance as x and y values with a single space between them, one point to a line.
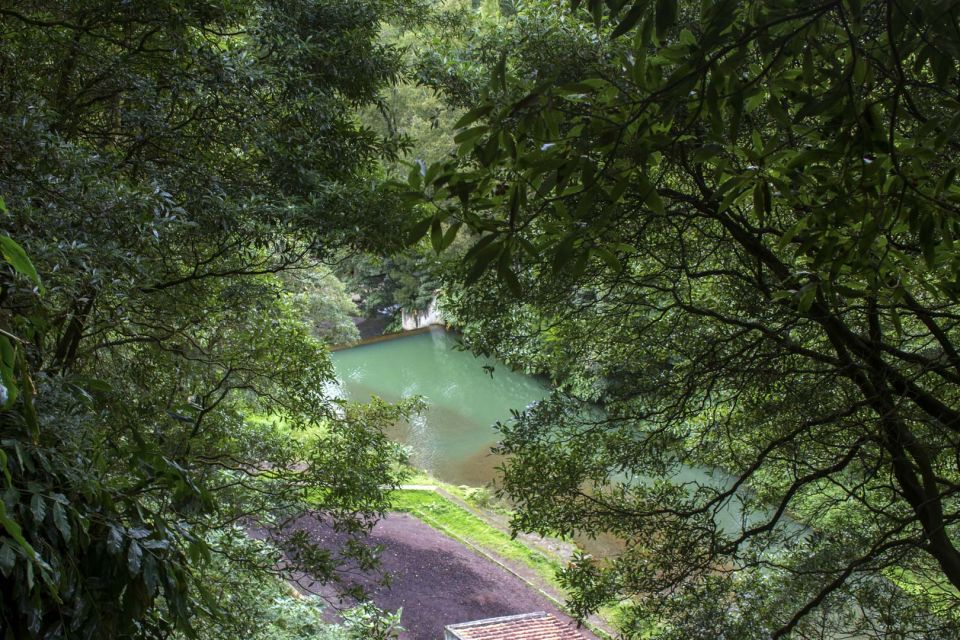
549 546
436 580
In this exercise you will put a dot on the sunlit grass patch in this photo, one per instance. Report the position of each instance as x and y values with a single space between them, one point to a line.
283 426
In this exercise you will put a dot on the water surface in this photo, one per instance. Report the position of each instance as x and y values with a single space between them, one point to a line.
452 438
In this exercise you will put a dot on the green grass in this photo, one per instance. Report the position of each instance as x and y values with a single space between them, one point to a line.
479 497
281 425
453 520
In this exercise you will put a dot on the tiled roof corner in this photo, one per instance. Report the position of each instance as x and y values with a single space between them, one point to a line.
528 626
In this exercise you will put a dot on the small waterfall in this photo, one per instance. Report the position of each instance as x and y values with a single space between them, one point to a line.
411 320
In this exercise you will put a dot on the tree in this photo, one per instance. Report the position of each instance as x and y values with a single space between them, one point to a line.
270 609
161 164
732 226
324 304
419 121
406 279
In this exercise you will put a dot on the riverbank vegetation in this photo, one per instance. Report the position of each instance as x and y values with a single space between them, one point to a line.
725 229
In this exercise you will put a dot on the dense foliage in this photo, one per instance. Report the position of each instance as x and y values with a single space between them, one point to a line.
258 609
727 229
732 225
412 115
162 164
322 302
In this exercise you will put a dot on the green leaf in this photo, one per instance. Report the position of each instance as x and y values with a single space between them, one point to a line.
436 235
38 507
415 178
8 359
630 20
500 73
114 540
707 152
809 73
134 558
450 235
508 143
14 254
7 353
14 531
791 233
666 17
563 253
27 389
528 247
151 578
92 384
596 11
619 188
480 245
155 544
432 172
490 151
482 257
927 240
895 319
806 296
943 69
579 264
590 85
419 230
60 521
760 204
646 31
471 134
473 115
609 257
8 559
505 271
514 200
651 197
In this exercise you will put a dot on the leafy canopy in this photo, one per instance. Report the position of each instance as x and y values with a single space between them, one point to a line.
731 224
162 165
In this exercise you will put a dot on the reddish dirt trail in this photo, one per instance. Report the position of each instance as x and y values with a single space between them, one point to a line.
435 579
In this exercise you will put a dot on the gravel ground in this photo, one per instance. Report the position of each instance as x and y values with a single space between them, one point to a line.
435 579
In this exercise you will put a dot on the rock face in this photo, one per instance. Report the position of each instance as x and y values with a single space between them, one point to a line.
411 320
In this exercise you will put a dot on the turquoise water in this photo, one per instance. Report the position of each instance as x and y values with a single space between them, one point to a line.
452 438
